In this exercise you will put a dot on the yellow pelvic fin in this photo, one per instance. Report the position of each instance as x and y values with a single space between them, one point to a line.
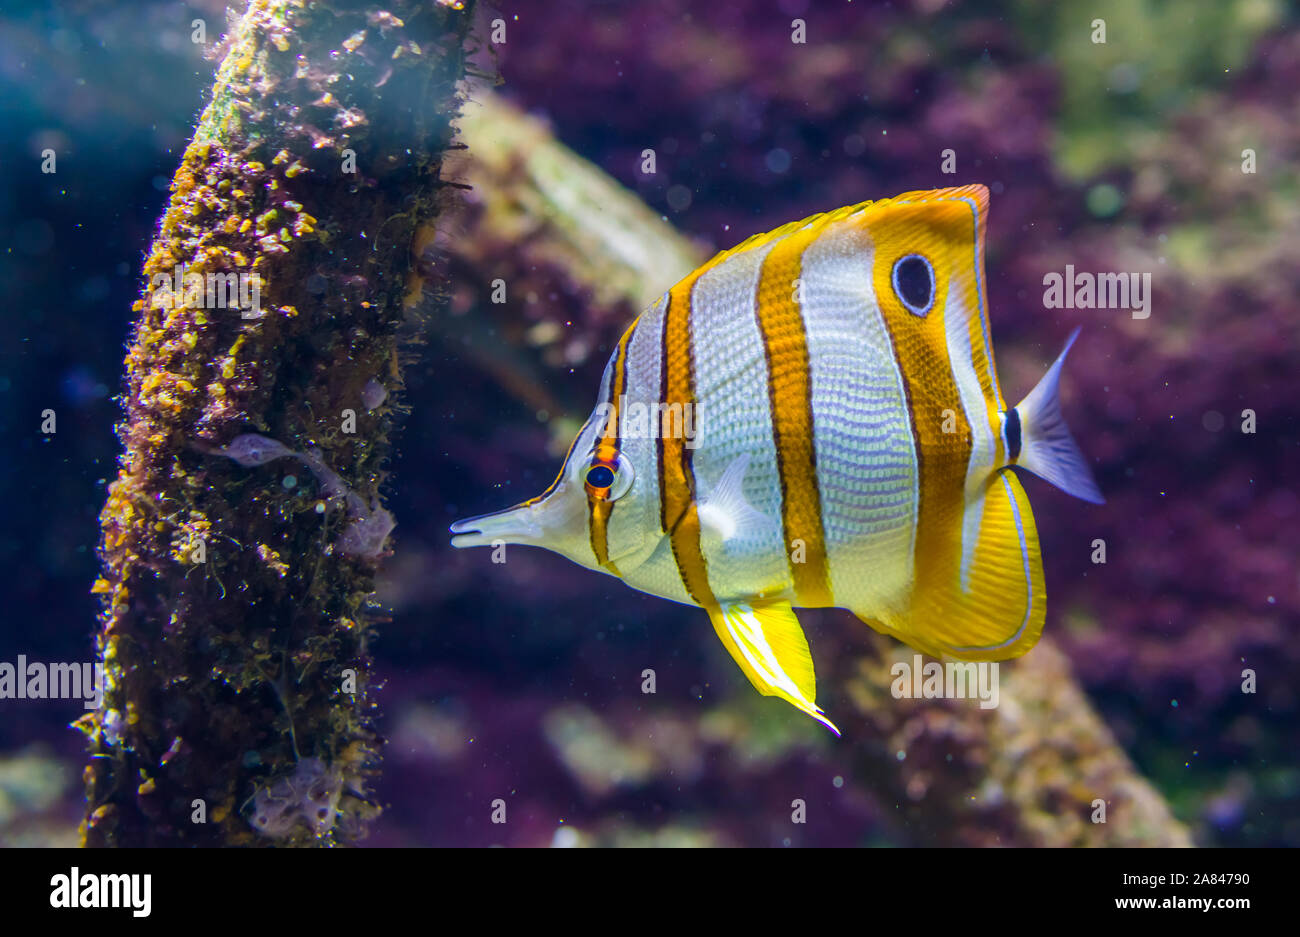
769 645
998 612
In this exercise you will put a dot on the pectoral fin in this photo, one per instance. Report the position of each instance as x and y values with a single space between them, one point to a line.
766 641
723 509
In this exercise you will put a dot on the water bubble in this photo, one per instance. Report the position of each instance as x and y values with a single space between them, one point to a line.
679 197
778 160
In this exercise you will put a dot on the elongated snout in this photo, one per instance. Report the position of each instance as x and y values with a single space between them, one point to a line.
549 522
513 525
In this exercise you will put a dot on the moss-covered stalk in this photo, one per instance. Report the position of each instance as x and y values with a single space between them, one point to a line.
235 628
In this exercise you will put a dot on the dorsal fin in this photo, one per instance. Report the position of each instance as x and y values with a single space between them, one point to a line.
976 195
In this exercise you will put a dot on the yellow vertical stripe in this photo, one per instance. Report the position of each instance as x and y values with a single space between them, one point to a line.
678 514
942 433
962 213
785 342
598 522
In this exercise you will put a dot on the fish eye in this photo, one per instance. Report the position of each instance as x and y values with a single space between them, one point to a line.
609 475
913 280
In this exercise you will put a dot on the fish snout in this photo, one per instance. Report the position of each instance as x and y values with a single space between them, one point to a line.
547 522
513 525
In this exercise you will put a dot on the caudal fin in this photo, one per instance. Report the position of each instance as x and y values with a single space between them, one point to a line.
1046 447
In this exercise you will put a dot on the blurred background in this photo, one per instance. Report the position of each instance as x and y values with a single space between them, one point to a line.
523 681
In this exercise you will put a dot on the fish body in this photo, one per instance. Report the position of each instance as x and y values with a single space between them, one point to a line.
813 419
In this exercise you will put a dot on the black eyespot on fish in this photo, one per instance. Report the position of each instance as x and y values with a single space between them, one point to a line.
600 476
914 283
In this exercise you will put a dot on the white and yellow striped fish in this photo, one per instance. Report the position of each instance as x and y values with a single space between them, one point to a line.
813 419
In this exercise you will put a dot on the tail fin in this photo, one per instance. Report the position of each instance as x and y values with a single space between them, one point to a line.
1047 449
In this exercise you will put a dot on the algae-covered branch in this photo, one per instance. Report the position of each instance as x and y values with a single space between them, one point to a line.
241 535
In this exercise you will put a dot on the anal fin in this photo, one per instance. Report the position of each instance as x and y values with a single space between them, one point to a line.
766 640
996 611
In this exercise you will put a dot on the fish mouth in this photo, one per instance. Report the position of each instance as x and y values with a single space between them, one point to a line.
518 524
